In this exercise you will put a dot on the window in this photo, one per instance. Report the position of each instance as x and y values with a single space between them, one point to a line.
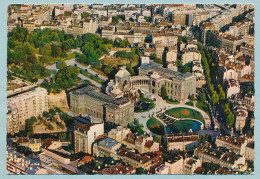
153 83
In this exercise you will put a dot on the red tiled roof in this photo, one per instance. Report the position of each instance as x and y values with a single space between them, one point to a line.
22 140
84 127
149 144
86 159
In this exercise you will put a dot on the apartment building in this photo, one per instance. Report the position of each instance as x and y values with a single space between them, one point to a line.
25 104
85 135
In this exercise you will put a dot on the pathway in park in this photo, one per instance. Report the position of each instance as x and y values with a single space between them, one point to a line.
73 62
160 104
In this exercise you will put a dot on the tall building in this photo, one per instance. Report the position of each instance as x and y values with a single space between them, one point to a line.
24 104
85 135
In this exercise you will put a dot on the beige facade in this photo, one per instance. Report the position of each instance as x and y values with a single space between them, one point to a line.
189 56
12 122
178 86
190 165
106 148
165 39
85 135
224 159
29 103
89 101
181 142
119 133
237 145
35 145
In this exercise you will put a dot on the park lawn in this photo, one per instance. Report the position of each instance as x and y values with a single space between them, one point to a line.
189 103
99 71
155 126
184 113
203 106
70 56
170 101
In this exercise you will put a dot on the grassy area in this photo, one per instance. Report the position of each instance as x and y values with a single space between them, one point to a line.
203 106
89 75
98 71
171 101
155 126
184 113
70 56
189 103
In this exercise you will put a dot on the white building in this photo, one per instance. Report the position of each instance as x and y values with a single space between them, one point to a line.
85 135
28 103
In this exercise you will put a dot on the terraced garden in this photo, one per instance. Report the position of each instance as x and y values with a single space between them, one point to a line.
185 113
155 126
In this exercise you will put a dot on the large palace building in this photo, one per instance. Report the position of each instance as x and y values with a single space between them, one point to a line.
88 100
178 85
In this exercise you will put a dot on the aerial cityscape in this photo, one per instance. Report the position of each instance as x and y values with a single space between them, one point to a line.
130 89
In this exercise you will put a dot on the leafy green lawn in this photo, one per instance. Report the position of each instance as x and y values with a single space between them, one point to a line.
183 113
203 106
70 56
155 126
189 103
170 101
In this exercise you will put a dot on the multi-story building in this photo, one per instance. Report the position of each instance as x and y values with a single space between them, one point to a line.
85 135
241 114
119 133
26 103
75 29
56 162
12 122
229 160
205 32
35 145
165 39
17 163
232 88
178 86
106 148
107 32
179 18
236 144
148 161
90 26
88 100
143 144
171 58
191 55
223 40
191 164
176 165
250 150
181 142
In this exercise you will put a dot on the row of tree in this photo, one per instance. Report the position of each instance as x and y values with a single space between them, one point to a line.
217 93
